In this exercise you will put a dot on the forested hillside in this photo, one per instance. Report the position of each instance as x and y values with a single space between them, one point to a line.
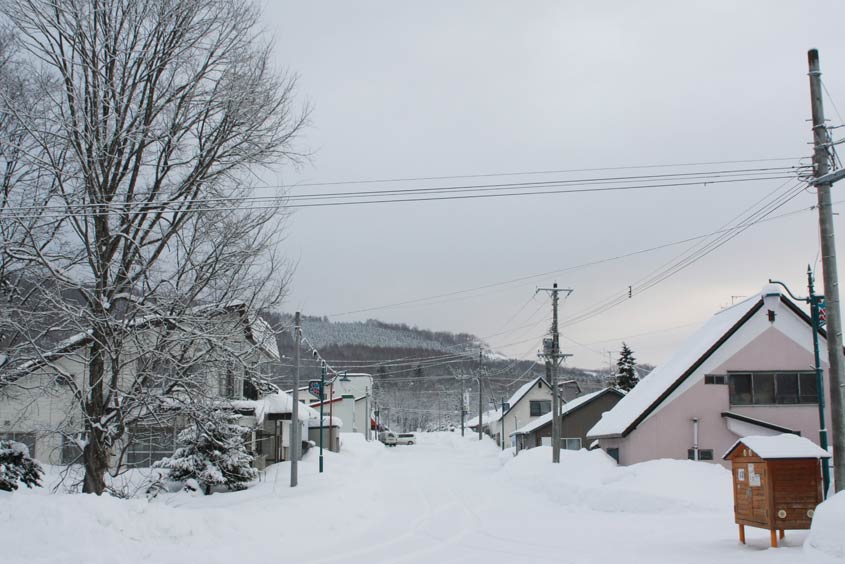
419 375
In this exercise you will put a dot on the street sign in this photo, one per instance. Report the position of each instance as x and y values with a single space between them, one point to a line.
315 388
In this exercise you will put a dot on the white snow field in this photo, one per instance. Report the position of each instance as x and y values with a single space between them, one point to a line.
446 499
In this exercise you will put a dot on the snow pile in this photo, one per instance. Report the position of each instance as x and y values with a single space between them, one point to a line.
592 480
827 533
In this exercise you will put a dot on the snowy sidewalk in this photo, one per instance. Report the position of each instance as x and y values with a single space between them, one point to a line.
446 499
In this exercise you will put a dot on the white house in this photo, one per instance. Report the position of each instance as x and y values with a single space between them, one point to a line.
532 400
38 405
349 396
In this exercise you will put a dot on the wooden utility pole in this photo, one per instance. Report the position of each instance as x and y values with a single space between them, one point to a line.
551 352
823 183
294 410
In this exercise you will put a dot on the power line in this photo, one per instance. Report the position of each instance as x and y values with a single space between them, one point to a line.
87 210
535 172
426 300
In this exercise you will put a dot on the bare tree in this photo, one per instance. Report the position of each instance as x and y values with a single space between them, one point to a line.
139 172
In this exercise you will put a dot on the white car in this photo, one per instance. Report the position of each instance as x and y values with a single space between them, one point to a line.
389 438
406 439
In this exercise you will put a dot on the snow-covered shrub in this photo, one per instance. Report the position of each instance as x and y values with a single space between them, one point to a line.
17 466
212 452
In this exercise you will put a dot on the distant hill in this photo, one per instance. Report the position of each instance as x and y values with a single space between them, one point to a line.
416 371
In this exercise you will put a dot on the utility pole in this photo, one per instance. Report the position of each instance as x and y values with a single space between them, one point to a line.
480 397
551 352
823 181
294 410
463 402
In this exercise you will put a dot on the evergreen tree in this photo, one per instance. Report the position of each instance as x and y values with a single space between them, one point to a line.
212 452
626 369
17 466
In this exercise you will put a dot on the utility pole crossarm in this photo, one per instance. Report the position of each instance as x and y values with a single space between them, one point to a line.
829 178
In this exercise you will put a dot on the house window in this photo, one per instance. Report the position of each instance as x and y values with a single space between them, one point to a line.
149 444
229 385
71 452
570 444
613 452
715 379
250 391
26 438
772 388
540 407
703 454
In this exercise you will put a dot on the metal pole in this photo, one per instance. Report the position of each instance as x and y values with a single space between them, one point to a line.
814 310
294 410
331 414
480 398
836 374
503 423
322 402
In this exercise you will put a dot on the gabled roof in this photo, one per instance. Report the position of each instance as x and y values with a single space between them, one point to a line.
650 392
780 446
521 392
566 409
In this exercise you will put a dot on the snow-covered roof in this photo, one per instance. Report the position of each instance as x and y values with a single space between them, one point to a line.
781 446
651 390
565 408
489 416
327 422
277 403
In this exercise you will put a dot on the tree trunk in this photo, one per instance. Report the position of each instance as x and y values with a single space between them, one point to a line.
95 455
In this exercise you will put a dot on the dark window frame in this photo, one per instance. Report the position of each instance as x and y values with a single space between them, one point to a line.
539 405
149 444
768 387
703 454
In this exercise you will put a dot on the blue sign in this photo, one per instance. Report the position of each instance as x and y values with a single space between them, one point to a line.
315 388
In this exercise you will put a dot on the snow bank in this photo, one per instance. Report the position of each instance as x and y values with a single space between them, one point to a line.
827 533
592 480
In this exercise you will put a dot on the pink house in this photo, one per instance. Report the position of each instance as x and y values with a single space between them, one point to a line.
747 371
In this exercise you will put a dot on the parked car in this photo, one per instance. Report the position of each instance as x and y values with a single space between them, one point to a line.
389 438
406 439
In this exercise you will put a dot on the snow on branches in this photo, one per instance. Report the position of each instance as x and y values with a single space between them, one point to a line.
17 466
212 452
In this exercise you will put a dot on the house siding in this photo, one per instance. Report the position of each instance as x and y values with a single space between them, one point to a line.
575 425
520 414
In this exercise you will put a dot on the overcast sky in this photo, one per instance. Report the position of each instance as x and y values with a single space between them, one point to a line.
403 90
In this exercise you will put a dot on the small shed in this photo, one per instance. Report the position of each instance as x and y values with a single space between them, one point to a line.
777 483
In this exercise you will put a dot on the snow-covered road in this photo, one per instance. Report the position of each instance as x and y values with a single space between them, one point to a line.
446 499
